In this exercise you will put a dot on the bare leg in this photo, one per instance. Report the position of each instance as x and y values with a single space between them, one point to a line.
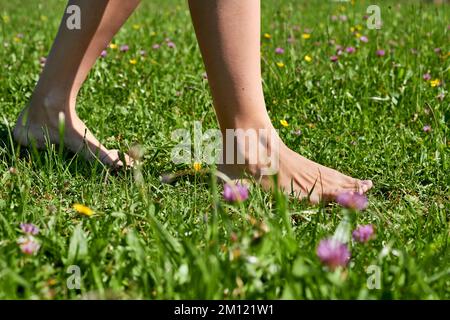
228 33
72 56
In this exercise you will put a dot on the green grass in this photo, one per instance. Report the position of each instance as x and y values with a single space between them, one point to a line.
363 116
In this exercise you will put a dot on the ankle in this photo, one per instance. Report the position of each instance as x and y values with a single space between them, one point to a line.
47 106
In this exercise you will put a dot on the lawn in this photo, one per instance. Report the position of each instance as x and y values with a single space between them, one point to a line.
381 112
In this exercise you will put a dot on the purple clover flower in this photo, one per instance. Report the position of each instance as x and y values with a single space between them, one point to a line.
124 48
28 245
350 50
334 58
363 233
426 76
333 253
279 50
380 53
235 193
352 200
426 128
29 228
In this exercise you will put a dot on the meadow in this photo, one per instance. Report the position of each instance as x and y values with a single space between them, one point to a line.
373 103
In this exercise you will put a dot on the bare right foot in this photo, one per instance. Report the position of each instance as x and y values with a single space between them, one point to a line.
296 174
41 120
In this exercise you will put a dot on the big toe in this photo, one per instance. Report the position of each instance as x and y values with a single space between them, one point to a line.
365 185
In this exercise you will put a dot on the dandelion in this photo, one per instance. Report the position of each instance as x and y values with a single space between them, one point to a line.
363 233
279 50
29 228
197 166
435 83
133 61
352 200
235 192
306 36
426 128
124 48
334 58
380 53
280 64
82 209
136 26
103 54
113 46
267 36
308 58
427 77
28 245
284 123
364 39
350 50
333 253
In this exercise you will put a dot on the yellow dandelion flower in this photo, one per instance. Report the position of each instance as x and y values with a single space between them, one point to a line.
6 19
136 26
435 83
308 58
82 209
17 39
284 123
280 64
113 46
352 29
153 33
306 36
359 27
197 166
133 61
358 35
267 35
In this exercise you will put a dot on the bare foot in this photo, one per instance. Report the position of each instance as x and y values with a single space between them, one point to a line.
39 122
296 174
